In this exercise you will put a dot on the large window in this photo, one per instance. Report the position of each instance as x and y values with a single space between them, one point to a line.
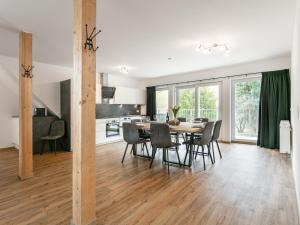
245 108
162 104
209 104
199 101
186 98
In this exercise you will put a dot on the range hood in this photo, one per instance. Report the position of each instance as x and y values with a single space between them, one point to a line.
107 92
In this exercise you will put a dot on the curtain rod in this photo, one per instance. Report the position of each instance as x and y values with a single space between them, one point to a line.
206 79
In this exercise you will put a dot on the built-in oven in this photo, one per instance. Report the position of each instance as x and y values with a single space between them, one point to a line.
112 128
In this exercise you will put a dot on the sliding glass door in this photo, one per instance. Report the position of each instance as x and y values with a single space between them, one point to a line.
209 101
201 100
245 109
186 98
162 104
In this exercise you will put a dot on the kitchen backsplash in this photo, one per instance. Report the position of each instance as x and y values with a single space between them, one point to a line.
116 110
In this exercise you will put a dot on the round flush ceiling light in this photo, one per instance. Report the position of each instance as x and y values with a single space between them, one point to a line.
124 70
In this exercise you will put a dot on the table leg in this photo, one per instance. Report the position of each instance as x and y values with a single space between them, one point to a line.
177 138
134 149
191 149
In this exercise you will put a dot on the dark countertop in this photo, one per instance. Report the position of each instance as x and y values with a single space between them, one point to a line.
108 117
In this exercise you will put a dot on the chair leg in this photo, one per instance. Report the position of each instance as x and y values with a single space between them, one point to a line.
213 151
164 155
147 150
142 149
178 156
153 156
219 149
203 157
197 152
187 152
42 148
167 153
209 154
62 143
51 146
124 153
55 147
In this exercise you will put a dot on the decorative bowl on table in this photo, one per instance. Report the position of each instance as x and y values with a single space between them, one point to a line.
174 122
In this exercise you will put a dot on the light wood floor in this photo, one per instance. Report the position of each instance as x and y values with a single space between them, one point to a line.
248 186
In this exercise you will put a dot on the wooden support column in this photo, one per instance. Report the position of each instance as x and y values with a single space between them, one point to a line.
25 108
84 116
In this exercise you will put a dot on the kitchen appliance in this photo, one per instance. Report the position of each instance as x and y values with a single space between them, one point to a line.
108 92
112 128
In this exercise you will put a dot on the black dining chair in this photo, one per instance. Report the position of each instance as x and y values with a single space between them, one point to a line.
201 120
161 139
197 120
204 140
143 134
181 119
131 137
56 133
215 138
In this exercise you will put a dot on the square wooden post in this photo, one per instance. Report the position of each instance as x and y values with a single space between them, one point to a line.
84 116
25 108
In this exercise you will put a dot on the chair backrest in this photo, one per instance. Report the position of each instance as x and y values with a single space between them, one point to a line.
130 133
202 120
206 134
57 128
216 132
182 119
160 135
136 121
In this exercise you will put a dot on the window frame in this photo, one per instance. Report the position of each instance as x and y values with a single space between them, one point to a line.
197 87
232 123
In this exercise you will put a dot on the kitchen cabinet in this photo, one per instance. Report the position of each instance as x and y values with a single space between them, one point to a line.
98 93
101 132
125 95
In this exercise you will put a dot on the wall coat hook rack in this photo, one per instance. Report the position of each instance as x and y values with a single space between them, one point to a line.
89 39
27 71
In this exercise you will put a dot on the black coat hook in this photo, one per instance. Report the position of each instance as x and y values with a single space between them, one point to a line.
27 71
89 39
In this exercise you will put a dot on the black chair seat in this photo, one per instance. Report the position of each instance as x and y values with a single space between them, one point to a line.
132 136
161 139
56 133
143 141
145 135
174 144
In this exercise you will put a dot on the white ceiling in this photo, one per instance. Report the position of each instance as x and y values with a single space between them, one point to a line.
142 34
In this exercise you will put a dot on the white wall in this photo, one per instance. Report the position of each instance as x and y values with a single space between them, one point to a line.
277 63
295 81
9 105
46 90
46 86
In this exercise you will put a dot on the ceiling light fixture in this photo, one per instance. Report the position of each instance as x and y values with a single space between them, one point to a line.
124 69
209 49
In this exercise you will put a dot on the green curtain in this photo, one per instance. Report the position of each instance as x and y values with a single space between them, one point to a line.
274 106
151 102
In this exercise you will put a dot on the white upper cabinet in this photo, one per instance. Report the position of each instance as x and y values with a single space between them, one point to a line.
125 95
98 89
